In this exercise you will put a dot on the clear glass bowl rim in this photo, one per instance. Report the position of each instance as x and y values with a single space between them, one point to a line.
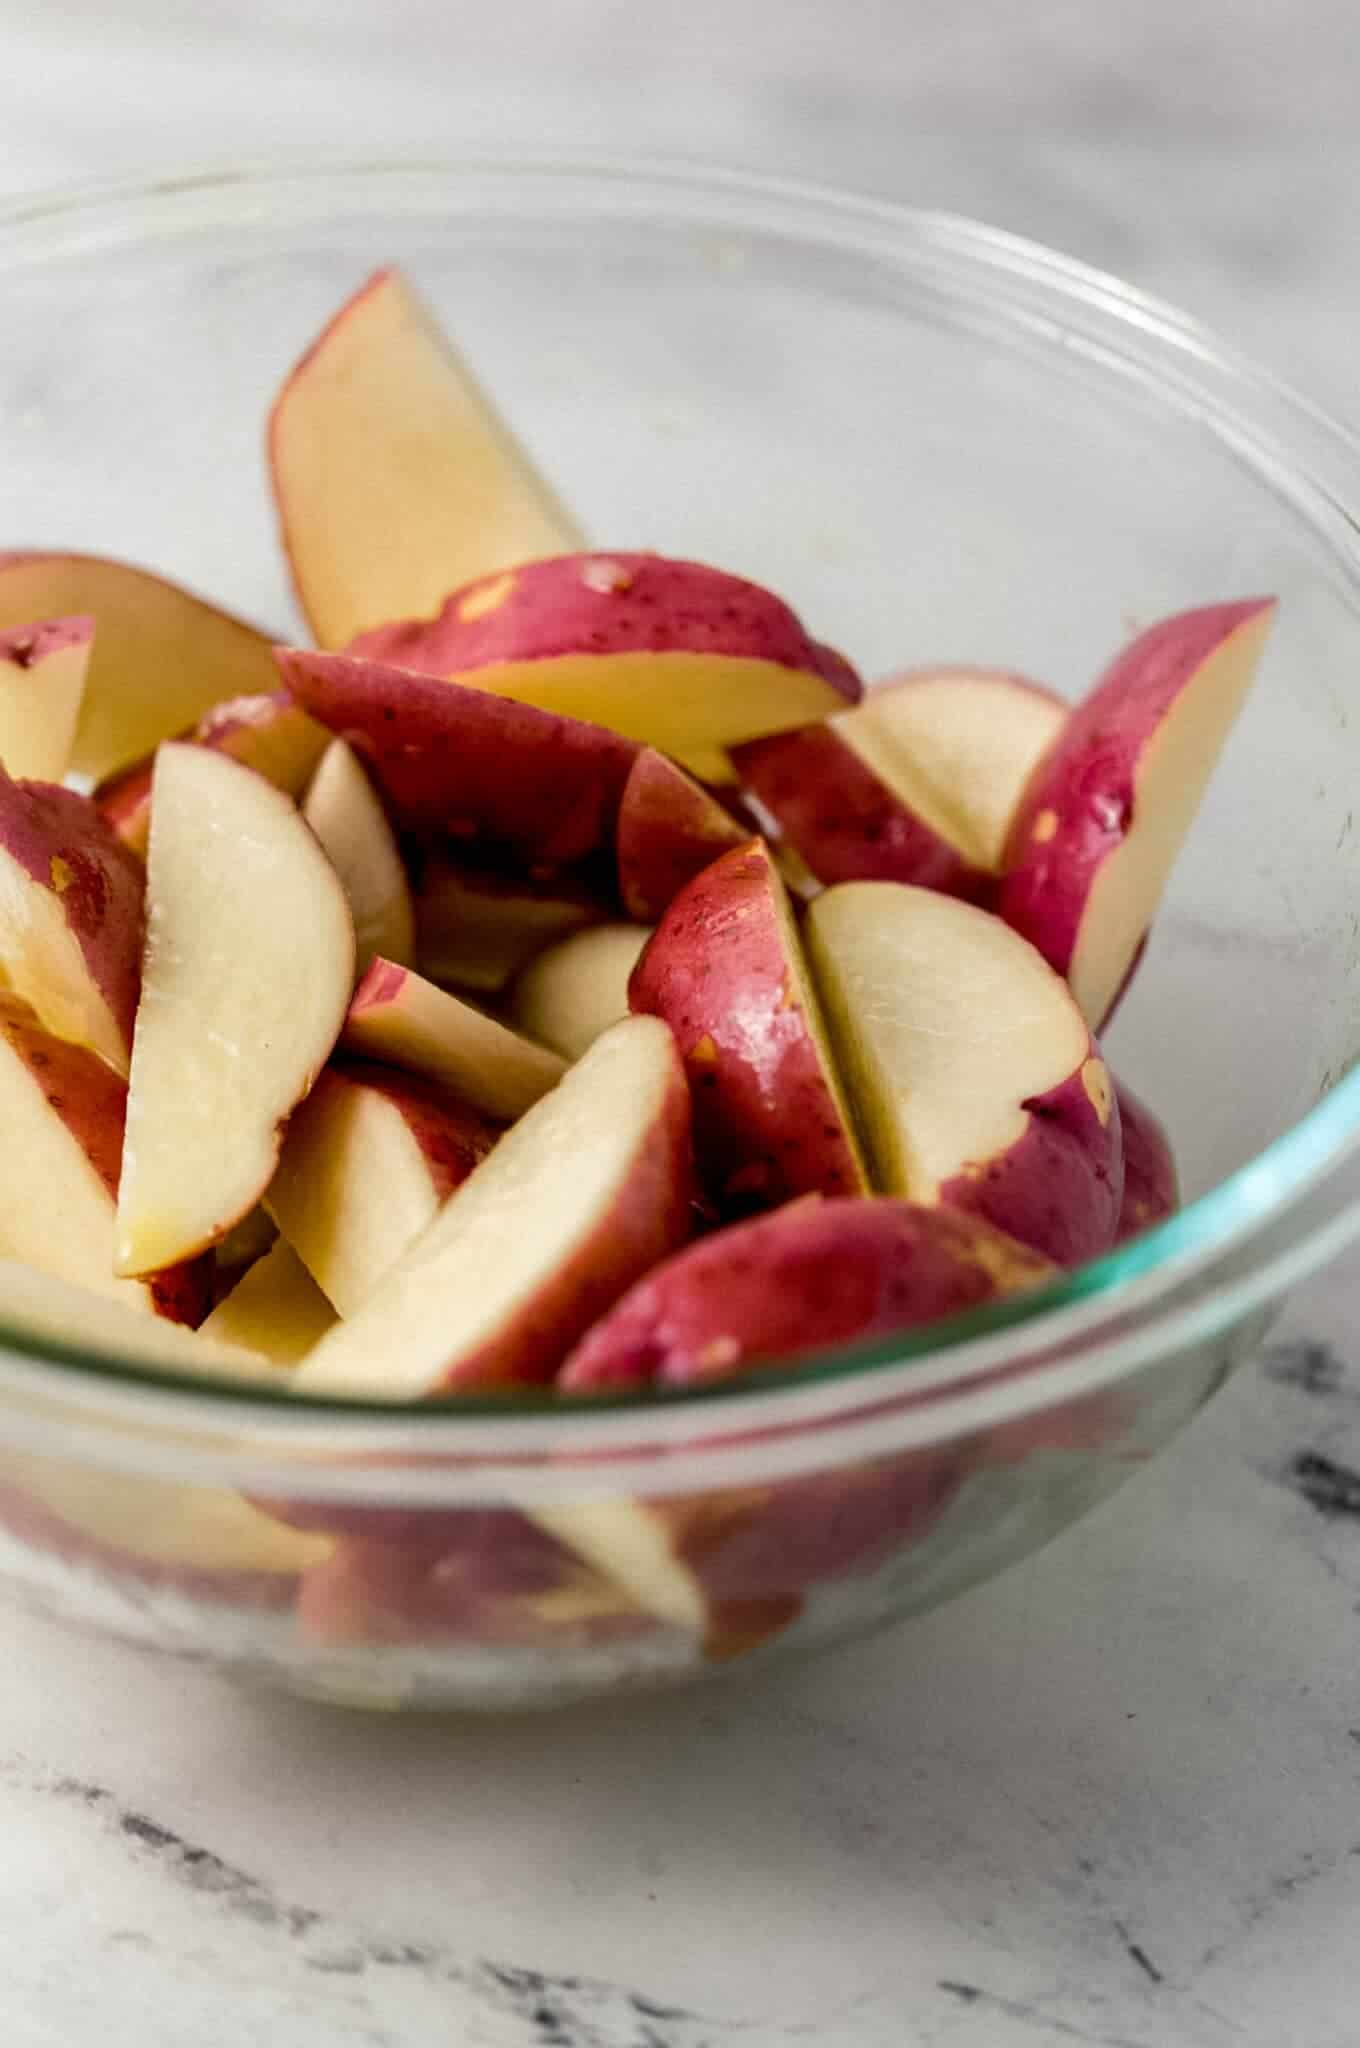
1077 1332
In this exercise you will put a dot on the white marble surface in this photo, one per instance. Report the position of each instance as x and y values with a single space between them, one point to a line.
1113 1798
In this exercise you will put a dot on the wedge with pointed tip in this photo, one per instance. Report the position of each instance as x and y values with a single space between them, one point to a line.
61 1134
275 1309
71 917
399 1017
161 658
918 783
675 654
269 733
726 972
369 1161
1106 810
975 1076
42 682
476 930
460 764
571 994
343 810
581 1197
249 967
669 830
395 479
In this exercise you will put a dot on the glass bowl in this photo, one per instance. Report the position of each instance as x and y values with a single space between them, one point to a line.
943 444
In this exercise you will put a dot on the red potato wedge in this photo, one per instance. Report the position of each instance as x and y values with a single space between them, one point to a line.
71 917
343 810
369 1161
162 657
1106 810
781 1287
249 967
42 684
270 734
61 1131
919 783
674 654
583 1194
975 1076
571 994
1151 1182
275 1311
669 830
476 930
399 1017
462 764
394 477
725 970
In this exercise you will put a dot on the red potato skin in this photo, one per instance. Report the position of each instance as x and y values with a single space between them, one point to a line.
766 1125
1151 1183
465 765
452 1136
606 604
235 727
60 840
1059 1188
845 823
1083 790
92 1102
473 1575
670 829
477 930
806 1277
652 1218
28 647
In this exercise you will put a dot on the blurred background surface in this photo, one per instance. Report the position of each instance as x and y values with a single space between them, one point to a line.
1208 149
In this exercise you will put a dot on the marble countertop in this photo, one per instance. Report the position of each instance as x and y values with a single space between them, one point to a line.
1114 1797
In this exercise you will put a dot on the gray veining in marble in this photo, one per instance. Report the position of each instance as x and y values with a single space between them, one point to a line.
1113 1798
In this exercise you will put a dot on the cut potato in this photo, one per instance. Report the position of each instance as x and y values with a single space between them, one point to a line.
71 917
269 733
370 1159
570 995
456 764
476 930
161 658
347 818
669 830
275 1309
61 1133
725 970
55 1311
674 654
394 476
400 1017
976 1078
1105 812
42 684
249 967
581 1197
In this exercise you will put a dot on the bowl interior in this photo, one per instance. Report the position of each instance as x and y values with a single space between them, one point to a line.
931 455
